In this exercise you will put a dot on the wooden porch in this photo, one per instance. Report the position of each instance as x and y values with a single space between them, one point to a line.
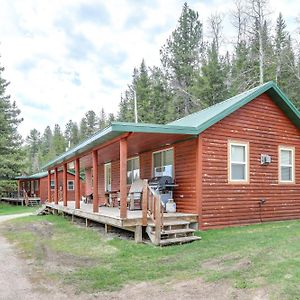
110 217
18 198
114 154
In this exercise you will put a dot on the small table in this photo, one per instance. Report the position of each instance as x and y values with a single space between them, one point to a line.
112 198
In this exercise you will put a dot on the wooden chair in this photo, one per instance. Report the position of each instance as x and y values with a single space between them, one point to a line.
135 195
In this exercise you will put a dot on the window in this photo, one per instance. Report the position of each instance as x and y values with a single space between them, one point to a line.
70 185
36 185
163 163
286 164
52 184
107 176
133 169
238 162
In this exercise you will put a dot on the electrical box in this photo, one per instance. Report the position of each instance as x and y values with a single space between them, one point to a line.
265 159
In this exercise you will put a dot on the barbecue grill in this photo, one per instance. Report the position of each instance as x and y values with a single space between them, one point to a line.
164 186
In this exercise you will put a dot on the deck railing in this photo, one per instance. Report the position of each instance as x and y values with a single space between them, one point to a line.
152 208
13 194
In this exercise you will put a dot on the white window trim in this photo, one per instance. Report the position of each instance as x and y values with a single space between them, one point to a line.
132 158
68 185
286 148
246 163
158 151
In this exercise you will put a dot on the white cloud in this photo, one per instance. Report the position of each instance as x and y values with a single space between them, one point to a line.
64 57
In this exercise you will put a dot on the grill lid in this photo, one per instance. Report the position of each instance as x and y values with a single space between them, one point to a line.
161 182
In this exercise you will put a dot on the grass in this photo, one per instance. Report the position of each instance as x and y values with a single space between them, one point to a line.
7 209
256 256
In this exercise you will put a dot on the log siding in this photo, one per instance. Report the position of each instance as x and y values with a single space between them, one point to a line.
265 127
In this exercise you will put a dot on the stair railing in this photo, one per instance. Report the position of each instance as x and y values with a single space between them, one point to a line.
152 208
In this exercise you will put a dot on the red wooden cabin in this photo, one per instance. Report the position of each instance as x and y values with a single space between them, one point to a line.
36 185
234 163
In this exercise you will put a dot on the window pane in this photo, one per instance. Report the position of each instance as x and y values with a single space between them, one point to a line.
168 162
136 174
286 157
157 161
168 157
70 185
238 153
238 172
135 163
129 177
286 173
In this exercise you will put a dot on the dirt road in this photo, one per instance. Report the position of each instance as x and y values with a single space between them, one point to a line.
14 273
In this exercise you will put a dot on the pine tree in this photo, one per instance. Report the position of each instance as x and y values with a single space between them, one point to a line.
92 122
59 142
210 86
280 45
33 146
180 57
102 119
83 129
71 134
111 118
11 162
74 135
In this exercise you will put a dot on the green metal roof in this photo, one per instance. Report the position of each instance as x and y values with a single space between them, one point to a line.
116 129
33 176
42 175
207 117
192 124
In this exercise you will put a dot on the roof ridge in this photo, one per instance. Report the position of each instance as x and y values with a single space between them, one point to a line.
222 102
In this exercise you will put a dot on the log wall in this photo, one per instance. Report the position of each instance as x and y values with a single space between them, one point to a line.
265 127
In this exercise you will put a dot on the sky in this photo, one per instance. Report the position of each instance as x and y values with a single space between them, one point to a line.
65 57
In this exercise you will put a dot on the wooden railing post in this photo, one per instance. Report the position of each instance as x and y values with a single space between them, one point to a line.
157 219
145 203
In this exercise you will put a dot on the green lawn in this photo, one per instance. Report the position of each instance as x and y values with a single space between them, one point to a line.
257 256
7 209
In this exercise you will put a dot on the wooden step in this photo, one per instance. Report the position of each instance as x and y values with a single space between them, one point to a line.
171 223
42 210
177 231
179 240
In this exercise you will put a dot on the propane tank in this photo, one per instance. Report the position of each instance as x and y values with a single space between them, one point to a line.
171 206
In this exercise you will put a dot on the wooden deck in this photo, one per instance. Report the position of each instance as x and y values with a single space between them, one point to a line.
20 200
111 215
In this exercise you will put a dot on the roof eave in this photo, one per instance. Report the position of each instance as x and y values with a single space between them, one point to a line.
117 129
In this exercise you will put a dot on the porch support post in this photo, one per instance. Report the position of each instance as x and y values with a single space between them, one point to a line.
55 186
199 178
49 185
95 182
65 186
123 178
77 183
18 189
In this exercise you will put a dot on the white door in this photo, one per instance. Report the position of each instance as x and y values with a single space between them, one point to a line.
107 177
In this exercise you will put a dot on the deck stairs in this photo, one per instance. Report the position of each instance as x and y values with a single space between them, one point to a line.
33 202
174 231
42 210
